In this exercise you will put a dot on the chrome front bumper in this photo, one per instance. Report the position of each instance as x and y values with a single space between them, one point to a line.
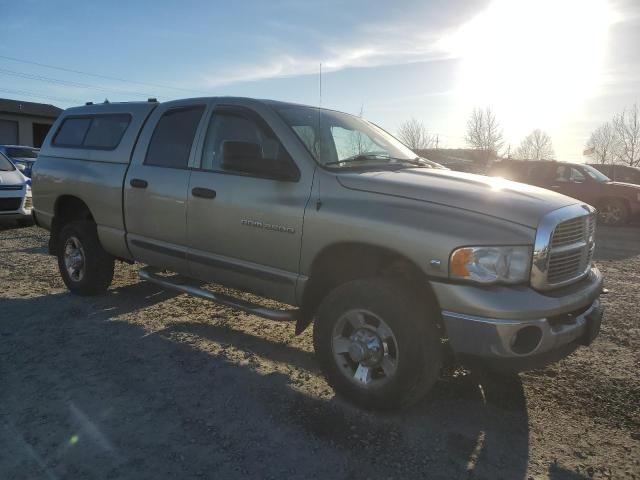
486 337
510 325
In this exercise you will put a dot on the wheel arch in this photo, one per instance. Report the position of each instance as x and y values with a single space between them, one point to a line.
67 208
342 262
604 198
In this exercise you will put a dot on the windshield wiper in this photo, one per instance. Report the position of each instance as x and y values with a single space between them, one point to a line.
364 157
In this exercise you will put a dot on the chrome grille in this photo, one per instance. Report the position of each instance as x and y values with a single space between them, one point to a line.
564 247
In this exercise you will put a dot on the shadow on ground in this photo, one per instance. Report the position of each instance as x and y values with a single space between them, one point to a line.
87 396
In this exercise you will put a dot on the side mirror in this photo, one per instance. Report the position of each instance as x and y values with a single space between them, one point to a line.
246 157
21 167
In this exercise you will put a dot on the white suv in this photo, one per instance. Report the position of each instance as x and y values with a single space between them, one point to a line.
15 193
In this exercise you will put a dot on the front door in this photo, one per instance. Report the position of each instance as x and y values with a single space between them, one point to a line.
156 186
571 181
244 229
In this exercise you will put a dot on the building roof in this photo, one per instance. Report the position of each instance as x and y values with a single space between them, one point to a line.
20 107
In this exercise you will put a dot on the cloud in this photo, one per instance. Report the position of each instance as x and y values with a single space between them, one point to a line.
286 65
371 45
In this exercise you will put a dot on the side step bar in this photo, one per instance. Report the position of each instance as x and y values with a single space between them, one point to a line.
150 274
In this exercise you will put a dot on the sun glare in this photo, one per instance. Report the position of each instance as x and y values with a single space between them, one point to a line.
533 61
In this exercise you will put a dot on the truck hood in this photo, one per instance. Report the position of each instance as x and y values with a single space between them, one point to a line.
623 188
13 177
496 197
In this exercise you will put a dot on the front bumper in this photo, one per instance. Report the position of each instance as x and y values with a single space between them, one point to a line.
21 214
520 328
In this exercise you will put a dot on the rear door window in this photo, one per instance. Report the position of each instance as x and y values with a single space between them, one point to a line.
172 139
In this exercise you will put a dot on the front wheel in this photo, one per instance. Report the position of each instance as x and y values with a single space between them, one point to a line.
85 267
613 212
377 343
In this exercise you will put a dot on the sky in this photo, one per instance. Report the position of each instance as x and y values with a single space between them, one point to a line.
564 66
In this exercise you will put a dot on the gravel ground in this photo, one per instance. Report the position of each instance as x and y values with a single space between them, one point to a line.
143 383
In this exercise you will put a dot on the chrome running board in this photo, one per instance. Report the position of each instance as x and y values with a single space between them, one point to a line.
150 275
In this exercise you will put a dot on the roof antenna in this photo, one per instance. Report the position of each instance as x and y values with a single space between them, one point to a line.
319 137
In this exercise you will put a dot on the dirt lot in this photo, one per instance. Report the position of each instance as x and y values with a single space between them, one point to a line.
144 383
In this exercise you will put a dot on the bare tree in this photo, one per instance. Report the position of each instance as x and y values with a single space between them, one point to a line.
361 143
603 144
414 135
627 127
484 132
536 146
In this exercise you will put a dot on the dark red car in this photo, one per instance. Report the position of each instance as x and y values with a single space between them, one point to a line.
617 203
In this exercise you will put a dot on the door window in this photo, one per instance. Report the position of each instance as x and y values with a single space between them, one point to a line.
568 174
237 127
172 139
352 142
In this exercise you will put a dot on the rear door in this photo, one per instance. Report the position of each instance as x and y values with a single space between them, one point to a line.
156 185
245 229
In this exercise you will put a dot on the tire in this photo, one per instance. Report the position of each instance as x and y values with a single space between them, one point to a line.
84 265
413 346
613 212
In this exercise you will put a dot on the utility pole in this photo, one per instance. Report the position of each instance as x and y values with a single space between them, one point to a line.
437 141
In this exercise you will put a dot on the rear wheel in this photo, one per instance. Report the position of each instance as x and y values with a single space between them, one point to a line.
85 267
377 344
613 212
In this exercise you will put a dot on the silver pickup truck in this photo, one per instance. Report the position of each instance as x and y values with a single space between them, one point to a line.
398 264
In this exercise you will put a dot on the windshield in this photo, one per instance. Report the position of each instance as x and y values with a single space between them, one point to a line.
15 152
5 164
597 175
345 140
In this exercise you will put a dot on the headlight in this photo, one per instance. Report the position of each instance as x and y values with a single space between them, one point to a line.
491 264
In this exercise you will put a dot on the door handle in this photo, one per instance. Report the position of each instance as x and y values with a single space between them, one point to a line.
138 183
203 192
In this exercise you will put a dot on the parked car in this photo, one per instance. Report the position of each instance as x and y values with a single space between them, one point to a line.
15 193
395 262
21 155
620 173
617 203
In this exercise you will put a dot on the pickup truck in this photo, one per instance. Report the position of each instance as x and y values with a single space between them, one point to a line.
400 266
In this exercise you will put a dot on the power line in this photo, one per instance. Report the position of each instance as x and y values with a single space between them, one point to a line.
69 83
37 95
106 77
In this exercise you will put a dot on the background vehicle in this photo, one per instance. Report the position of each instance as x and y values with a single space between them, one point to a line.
619 173
617 203
15 193
395 262
21 155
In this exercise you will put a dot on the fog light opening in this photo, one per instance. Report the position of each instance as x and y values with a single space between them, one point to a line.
526 340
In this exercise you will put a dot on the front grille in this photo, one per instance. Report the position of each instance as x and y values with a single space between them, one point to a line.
571 250
10 187
9 204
